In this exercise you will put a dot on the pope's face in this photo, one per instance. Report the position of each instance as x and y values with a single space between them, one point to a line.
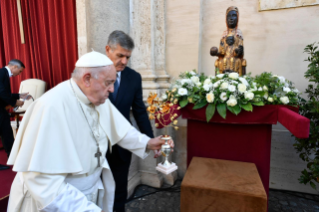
119 56
100 88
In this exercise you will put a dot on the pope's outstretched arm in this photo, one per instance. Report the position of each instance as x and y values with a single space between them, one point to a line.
140 144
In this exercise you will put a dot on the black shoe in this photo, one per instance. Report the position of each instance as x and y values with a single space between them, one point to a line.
3 167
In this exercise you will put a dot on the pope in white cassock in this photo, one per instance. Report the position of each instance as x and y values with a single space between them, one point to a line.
59 151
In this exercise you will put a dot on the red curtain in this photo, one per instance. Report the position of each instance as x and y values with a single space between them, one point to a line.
50 49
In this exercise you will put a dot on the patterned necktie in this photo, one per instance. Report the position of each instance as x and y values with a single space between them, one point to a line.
116 87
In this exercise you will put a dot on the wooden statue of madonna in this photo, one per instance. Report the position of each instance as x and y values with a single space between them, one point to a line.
231 49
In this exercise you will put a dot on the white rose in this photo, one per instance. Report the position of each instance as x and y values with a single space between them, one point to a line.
212 77
164 96
186 81
210 97
224 86
232 102
198 84
207 87
207 81
195 79
286 89
266 96
249 95
284 100
282 79
233 75
265 88
270 99
216 84
241 88
182 91
232 88
243 80
223 96
234 82
192 73
260 89
220 76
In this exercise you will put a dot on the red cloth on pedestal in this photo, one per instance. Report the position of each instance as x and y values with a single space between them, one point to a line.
245 137
298 125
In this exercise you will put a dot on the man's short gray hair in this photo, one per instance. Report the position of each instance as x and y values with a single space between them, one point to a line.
16 62
121 38
80 71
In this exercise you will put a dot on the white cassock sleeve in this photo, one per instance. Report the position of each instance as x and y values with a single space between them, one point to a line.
52 193
135 142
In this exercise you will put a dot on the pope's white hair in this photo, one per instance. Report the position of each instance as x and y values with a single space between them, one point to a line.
79 72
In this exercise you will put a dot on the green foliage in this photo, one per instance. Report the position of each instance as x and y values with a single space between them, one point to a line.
183 102
248 107
210 110
308 149
221 109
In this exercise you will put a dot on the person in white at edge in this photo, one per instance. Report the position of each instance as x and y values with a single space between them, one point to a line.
56 150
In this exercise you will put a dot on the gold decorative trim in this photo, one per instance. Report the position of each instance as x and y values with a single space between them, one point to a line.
4 197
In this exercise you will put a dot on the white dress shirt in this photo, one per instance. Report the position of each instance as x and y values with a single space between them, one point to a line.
119 77
9 71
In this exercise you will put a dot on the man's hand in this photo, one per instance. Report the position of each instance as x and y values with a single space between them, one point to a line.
24 95
19 103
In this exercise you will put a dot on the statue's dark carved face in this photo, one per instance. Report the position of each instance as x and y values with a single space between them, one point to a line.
230 40
232 19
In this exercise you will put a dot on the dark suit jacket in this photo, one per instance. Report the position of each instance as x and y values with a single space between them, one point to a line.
6 97
130 95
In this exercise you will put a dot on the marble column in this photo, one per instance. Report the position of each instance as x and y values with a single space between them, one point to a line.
159 43
81 27
142 59
97 19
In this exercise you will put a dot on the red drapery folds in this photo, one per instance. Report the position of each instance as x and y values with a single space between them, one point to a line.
50 49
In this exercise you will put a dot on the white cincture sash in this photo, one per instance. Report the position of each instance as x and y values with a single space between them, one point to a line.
90 186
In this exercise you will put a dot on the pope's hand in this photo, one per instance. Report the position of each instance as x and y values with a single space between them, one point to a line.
156 143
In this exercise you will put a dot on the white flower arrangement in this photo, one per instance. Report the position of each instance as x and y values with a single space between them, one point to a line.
231 92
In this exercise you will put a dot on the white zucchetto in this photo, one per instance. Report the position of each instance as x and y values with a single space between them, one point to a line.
93 59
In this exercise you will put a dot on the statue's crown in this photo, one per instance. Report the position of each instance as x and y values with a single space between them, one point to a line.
232 8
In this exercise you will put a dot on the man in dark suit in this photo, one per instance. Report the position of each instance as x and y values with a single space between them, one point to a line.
14 68
127 94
